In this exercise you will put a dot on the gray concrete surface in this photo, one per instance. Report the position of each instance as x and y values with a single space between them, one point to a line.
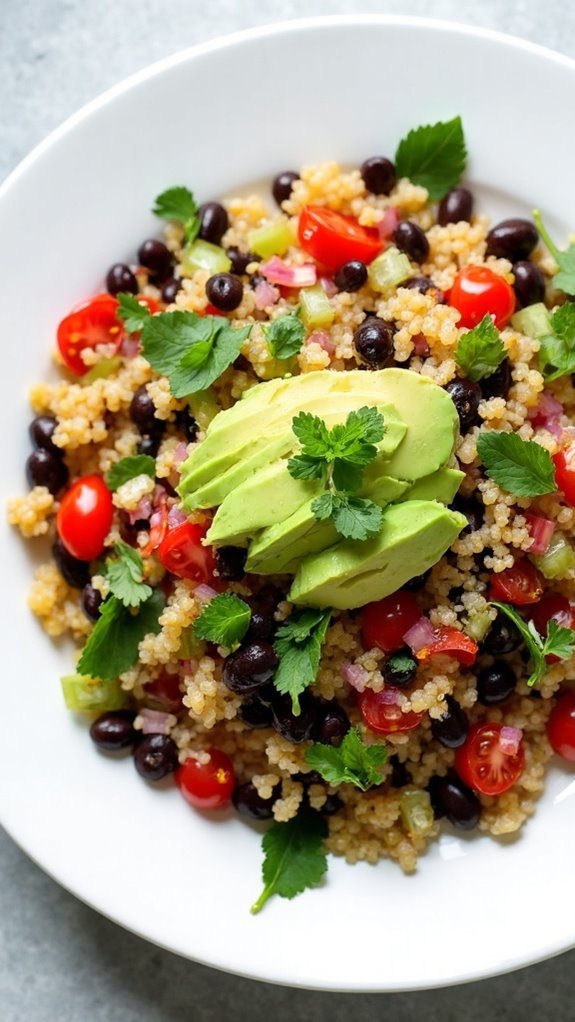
60 961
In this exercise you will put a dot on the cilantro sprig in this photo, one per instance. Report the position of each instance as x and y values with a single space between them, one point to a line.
480 351
129 468
294 857
224 620
178 203
352 762
112 646
125 574
132 312
285 335
298 645
433 156
559 641
521 467
564 279
557 351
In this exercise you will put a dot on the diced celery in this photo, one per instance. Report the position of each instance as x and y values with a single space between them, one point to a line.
272 239
477 627
191 648
202 255
532 321
90 695
105 367
203 407
416 812
316 309
389 269
558 560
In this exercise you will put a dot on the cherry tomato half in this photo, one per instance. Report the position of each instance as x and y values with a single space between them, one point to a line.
386 622
182 553
451 642
477 292
483 763
382 712
332 239
92 323
565 472
85 517
522 584
561 727
207 785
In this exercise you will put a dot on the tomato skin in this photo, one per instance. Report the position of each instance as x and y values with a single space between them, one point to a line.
85 517
477 292
207 785
332 239
451 642
382 714
520 585
386 622
564 462
483 766
561 727
181 552
89 324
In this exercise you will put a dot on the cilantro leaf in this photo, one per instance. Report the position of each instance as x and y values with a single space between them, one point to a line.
112 645
125 575
521 467
285 336
313 435
364 426
132 312
303 466
350 763
559 641
128 468
480 351
353 517
224 620
298 645
557 352
295 857
433 156
178 203
191 350
347 476
564 279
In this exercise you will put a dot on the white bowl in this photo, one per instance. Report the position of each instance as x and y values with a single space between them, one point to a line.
221 116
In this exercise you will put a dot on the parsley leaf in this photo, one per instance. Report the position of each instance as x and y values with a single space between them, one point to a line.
304 466
564 279
350 763
559 641
285 336
128 468
480 351
298 645
518 466
224 620
353 517
112 645
557 352
178 203
433 156
191 350
295 857
125 575
132 313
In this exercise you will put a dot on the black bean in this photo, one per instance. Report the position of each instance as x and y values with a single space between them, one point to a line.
451 728
44 468
332 805
502 637
120 278
155 757
149 445
262 626
41 430
351 276
496 683
473 511
266 600
373 341
91 602
143 413
282 185
425 286
287 724
400 775
332 724
466 396
512 239
529 283
170 288
255 713
187 425
224 291
410 239
378 175
457 205
214 222
307 778
250 667
498 383
248 802
456 801
400 673
231 562
76 573
157 258
416 584
240 260
114 730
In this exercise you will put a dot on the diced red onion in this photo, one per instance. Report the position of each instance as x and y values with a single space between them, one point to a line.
420 345
265 295
276 271
541 530
204 593
142 511
547 407
328 286
388 223
323 339
420 634
188 666
130 346
355 675
510 740
180 454
154 722
176 517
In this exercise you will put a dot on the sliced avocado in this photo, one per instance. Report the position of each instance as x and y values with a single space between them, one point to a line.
269 496
257 454
415 534
441 485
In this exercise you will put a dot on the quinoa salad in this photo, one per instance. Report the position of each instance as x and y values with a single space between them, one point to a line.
308 480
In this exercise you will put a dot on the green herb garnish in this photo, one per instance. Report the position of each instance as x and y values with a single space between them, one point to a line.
559 641
112 645
285 335
129 468
178 203
125 575
352 762
480 351
564 279
298 645
132 312
433 156
557 351
518 466
294 857
224 620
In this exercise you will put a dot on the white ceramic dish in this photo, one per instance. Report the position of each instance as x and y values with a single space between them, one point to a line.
328 88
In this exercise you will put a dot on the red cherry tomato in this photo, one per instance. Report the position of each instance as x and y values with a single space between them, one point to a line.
382 712
158 529
451 642
522 584
477 292
332 239
207 785
182 553
92 323
85 517
386 622
484 765
561 727
565 472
